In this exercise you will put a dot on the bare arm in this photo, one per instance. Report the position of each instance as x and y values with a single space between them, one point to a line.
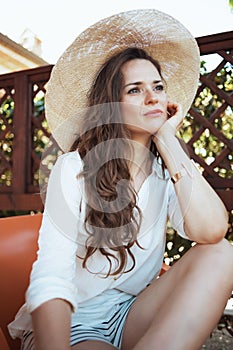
51 324
205 217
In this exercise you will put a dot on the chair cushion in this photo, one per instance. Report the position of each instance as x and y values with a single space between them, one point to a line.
18 238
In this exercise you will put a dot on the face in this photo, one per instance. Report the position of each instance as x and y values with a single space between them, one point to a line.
144 100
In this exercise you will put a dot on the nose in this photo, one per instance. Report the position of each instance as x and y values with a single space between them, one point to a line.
151 97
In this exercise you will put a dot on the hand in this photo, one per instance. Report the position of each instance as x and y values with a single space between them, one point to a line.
173 123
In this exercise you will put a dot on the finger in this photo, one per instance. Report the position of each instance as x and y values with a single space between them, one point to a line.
171 108
174 109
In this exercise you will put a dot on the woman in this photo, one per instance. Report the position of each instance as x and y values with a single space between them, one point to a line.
102 239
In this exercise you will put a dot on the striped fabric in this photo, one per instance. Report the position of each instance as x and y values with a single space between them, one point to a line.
109 331
27 341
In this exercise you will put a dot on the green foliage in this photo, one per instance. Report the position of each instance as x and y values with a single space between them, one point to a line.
40 140
6 138
231 4
176 246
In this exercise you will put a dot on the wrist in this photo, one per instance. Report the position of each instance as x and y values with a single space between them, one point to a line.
165 141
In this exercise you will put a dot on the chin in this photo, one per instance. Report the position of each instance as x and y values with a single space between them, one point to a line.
145 129
154 129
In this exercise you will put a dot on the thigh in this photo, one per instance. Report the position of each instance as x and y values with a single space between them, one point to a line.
93 345
183 280
146 306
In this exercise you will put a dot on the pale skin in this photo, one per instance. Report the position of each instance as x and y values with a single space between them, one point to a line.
178 310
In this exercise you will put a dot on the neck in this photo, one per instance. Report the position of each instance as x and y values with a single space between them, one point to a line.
142 139
140 153
140 162
141 145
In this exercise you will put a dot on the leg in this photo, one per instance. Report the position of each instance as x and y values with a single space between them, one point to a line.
179 310
93 345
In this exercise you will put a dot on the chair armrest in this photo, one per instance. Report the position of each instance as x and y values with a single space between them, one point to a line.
3 342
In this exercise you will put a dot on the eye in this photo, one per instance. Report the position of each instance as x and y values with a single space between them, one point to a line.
158 87
134 90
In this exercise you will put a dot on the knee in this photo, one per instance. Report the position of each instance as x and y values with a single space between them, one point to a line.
224 251
223 268
219 256
226 254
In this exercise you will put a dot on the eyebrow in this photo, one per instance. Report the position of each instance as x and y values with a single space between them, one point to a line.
140 83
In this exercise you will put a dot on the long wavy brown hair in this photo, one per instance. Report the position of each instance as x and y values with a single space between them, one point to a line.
112 217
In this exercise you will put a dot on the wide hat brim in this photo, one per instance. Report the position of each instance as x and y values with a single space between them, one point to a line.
162 36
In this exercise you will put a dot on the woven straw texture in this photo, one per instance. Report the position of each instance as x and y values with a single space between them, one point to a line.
162 36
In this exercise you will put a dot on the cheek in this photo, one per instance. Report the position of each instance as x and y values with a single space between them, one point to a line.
164 101
130 112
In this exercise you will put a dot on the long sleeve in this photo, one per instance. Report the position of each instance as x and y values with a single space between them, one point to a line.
54 272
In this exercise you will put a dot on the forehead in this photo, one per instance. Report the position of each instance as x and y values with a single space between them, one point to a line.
139 70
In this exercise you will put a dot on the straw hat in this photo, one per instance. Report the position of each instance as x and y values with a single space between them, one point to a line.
162 36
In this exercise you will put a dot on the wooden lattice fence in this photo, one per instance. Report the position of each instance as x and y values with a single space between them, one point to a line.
207 130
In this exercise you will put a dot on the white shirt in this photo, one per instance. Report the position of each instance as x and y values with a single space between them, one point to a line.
58 272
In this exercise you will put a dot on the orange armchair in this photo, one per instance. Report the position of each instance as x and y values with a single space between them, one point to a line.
18 246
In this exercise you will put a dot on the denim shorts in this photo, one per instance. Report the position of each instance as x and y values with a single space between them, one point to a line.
100 318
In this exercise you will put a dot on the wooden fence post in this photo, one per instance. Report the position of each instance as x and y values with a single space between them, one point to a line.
21 132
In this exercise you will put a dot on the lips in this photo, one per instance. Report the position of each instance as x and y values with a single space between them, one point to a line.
153 113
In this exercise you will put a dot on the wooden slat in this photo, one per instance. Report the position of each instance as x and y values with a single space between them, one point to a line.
14 201
227 57
20 128
219 92
214 115
211 43
205 122
220 157
220 183
226 197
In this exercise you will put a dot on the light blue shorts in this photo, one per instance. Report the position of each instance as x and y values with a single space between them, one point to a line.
101 318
